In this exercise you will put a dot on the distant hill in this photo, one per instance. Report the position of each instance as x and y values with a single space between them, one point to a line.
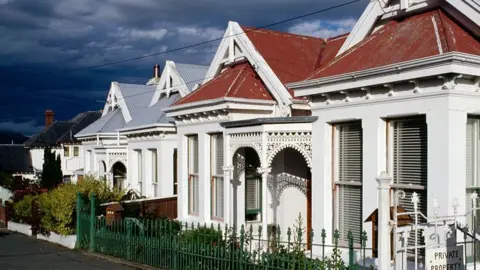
6 137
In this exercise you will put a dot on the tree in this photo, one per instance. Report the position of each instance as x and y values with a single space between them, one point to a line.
52 170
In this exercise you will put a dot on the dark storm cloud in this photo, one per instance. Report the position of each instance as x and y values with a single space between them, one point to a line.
41 39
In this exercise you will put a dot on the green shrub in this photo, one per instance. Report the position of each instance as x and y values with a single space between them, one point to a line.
202 235
58 206
23 209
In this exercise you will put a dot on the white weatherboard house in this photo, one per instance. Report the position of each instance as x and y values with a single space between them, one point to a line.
401 96
134 144
58 136
244 154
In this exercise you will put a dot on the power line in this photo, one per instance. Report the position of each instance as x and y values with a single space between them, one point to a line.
208 41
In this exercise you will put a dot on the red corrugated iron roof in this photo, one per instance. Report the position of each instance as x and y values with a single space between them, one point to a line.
290 56
239 81
403 40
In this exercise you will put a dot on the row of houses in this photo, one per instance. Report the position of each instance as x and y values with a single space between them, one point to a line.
281 124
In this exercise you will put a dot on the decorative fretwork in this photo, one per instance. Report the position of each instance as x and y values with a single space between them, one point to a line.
300 141
115 157
249 139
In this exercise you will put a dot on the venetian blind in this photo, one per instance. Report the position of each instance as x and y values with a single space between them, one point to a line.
349 180
219 154
410 165
193 145
470 152
252 193
219 197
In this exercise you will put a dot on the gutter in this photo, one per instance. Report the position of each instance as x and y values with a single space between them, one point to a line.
217 101
148 126
393 68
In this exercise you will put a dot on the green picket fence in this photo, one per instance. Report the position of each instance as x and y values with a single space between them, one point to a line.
173 245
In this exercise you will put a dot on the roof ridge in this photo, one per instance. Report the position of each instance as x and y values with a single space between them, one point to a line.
254 29
386 27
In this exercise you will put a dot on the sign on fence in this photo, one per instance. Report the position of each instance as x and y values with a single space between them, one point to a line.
445 258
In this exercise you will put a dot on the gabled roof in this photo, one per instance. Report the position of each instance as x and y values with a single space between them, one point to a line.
15 158
60 131
137 97
81 121
275 59
124 99
153 115
428 34
239 81
290 56
108 123
178 78
191 74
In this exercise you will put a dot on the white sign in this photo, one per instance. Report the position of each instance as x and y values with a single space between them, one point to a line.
445 258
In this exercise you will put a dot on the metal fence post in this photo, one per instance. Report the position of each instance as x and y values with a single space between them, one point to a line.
79 226
384 181
129 240
92 222
351 252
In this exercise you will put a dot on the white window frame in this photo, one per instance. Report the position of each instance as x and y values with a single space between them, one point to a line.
407 188
154 169
76 151
474 169
66 151
216 177
193 176
139 167
339 184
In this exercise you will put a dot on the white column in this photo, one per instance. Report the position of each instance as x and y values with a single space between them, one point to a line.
384 181
227 178
322 198
374 162
204 176
446 159
182 177
265 173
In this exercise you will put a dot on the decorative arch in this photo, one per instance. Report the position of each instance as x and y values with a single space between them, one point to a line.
115 161
300 141
273 153
250 139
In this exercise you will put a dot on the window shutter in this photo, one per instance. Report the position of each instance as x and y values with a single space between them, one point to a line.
193 148
219 197
470 157
350 172
350 153
251 194
410 164
219 155
154 166
196 192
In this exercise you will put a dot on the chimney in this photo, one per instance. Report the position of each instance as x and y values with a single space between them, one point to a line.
49 118
156 71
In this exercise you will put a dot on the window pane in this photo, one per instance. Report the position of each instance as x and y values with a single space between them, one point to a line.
471 153
410 164
193 150
154 166
66 151
75 151
349 170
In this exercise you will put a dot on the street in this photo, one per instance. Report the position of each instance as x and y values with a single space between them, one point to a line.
18 252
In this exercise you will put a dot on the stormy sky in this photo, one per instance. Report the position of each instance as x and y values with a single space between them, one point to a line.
42 42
